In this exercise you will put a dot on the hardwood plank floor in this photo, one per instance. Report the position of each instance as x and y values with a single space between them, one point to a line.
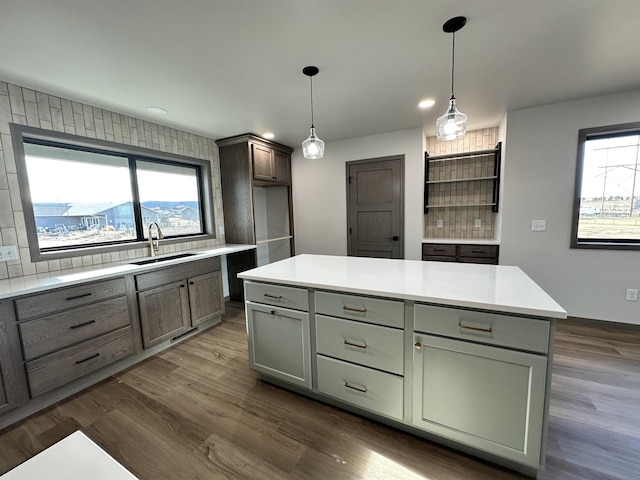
196 411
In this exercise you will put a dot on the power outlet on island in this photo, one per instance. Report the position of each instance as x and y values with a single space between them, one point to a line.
8 253
631 295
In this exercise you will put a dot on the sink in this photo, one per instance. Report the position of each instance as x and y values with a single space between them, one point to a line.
149 260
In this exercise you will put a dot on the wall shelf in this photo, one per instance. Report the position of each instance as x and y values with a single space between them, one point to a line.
462 180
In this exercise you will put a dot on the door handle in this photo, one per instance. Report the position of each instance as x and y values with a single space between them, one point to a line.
395 238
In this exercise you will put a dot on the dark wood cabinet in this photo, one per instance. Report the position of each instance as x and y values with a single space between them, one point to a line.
463 253
176 299
257 202
13 383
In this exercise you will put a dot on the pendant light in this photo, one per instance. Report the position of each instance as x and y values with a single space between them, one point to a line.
453 124
312 147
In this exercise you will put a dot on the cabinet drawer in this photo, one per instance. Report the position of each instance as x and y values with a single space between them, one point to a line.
436 258
289 297
369 345
57 369
175 273
479 251
438 249
484 327
70 297
370 389
372 310
53 332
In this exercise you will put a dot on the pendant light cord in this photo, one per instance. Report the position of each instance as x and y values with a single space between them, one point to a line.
311 83
453 60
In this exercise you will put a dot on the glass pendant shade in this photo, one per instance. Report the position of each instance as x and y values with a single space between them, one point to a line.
313 147
451 125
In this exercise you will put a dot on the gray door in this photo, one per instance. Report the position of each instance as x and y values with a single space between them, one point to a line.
375 207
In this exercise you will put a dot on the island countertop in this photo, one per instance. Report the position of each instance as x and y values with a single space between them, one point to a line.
489 287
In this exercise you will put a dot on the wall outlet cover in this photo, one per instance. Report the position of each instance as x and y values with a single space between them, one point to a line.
439 223
477 223
631 295
538 225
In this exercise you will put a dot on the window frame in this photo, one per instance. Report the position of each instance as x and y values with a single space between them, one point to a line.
203 168
590 134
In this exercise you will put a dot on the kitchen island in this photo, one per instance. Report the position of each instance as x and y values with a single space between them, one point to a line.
457 353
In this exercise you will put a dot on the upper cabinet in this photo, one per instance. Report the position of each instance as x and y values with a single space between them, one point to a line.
270 164
257 200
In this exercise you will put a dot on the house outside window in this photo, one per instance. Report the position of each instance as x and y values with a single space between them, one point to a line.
607 190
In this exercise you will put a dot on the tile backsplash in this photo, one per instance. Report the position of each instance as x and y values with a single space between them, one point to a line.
28 107
461 222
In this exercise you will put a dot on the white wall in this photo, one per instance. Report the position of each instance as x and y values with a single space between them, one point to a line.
539 180
320 192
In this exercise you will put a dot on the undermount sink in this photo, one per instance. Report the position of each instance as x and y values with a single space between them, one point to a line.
147 261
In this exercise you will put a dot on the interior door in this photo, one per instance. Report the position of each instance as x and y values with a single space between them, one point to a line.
375 207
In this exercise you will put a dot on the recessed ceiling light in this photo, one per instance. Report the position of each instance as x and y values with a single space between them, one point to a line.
427 103
268 135
156 110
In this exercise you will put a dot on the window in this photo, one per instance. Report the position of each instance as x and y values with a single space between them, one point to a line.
95 196
607 192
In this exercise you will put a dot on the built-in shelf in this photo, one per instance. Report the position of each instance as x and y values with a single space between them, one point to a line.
445 173
268 240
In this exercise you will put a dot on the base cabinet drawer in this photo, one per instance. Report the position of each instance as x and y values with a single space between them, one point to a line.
372 346
366 388
277 295
389 313
53 332
279 343
486 397
64 366
484 327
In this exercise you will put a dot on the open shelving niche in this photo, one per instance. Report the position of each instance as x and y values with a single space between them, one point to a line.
462 180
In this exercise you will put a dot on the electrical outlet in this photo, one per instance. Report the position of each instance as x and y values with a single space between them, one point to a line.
538 225
221 229
477 223
439 223
631 295
8 252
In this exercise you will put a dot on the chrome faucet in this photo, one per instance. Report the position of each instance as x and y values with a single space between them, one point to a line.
154 246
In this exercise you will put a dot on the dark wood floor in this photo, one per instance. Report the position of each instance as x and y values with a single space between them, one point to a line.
196 411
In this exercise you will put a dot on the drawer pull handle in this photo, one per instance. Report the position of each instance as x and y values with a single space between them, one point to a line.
355 387
478 251
352 344
476 329
82 295
357 310
277 297
82 324
418 346
95 355
439 250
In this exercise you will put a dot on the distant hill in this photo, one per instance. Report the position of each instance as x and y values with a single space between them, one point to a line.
168 205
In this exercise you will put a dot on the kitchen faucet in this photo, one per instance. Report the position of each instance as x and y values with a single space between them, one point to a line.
154 245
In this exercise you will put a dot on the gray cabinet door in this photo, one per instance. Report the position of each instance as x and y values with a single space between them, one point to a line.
205 297
279 343
164 312
486 397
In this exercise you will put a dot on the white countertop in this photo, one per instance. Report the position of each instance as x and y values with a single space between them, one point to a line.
37 283
75 457
489 287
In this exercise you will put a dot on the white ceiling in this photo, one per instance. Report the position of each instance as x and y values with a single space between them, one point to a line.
225 67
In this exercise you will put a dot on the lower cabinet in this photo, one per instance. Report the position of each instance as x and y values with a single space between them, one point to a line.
13 386
486 397
279 343
176 299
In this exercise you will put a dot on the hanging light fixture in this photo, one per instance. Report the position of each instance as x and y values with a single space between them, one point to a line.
453 124
312 147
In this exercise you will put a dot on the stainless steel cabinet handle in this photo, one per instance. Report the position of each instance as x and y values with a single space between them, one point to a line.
352 344
355 387
277 297
475 329
358 310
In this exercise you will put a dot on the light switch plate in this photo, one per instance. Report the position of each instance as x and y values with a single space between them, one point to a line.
538 225
8 252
